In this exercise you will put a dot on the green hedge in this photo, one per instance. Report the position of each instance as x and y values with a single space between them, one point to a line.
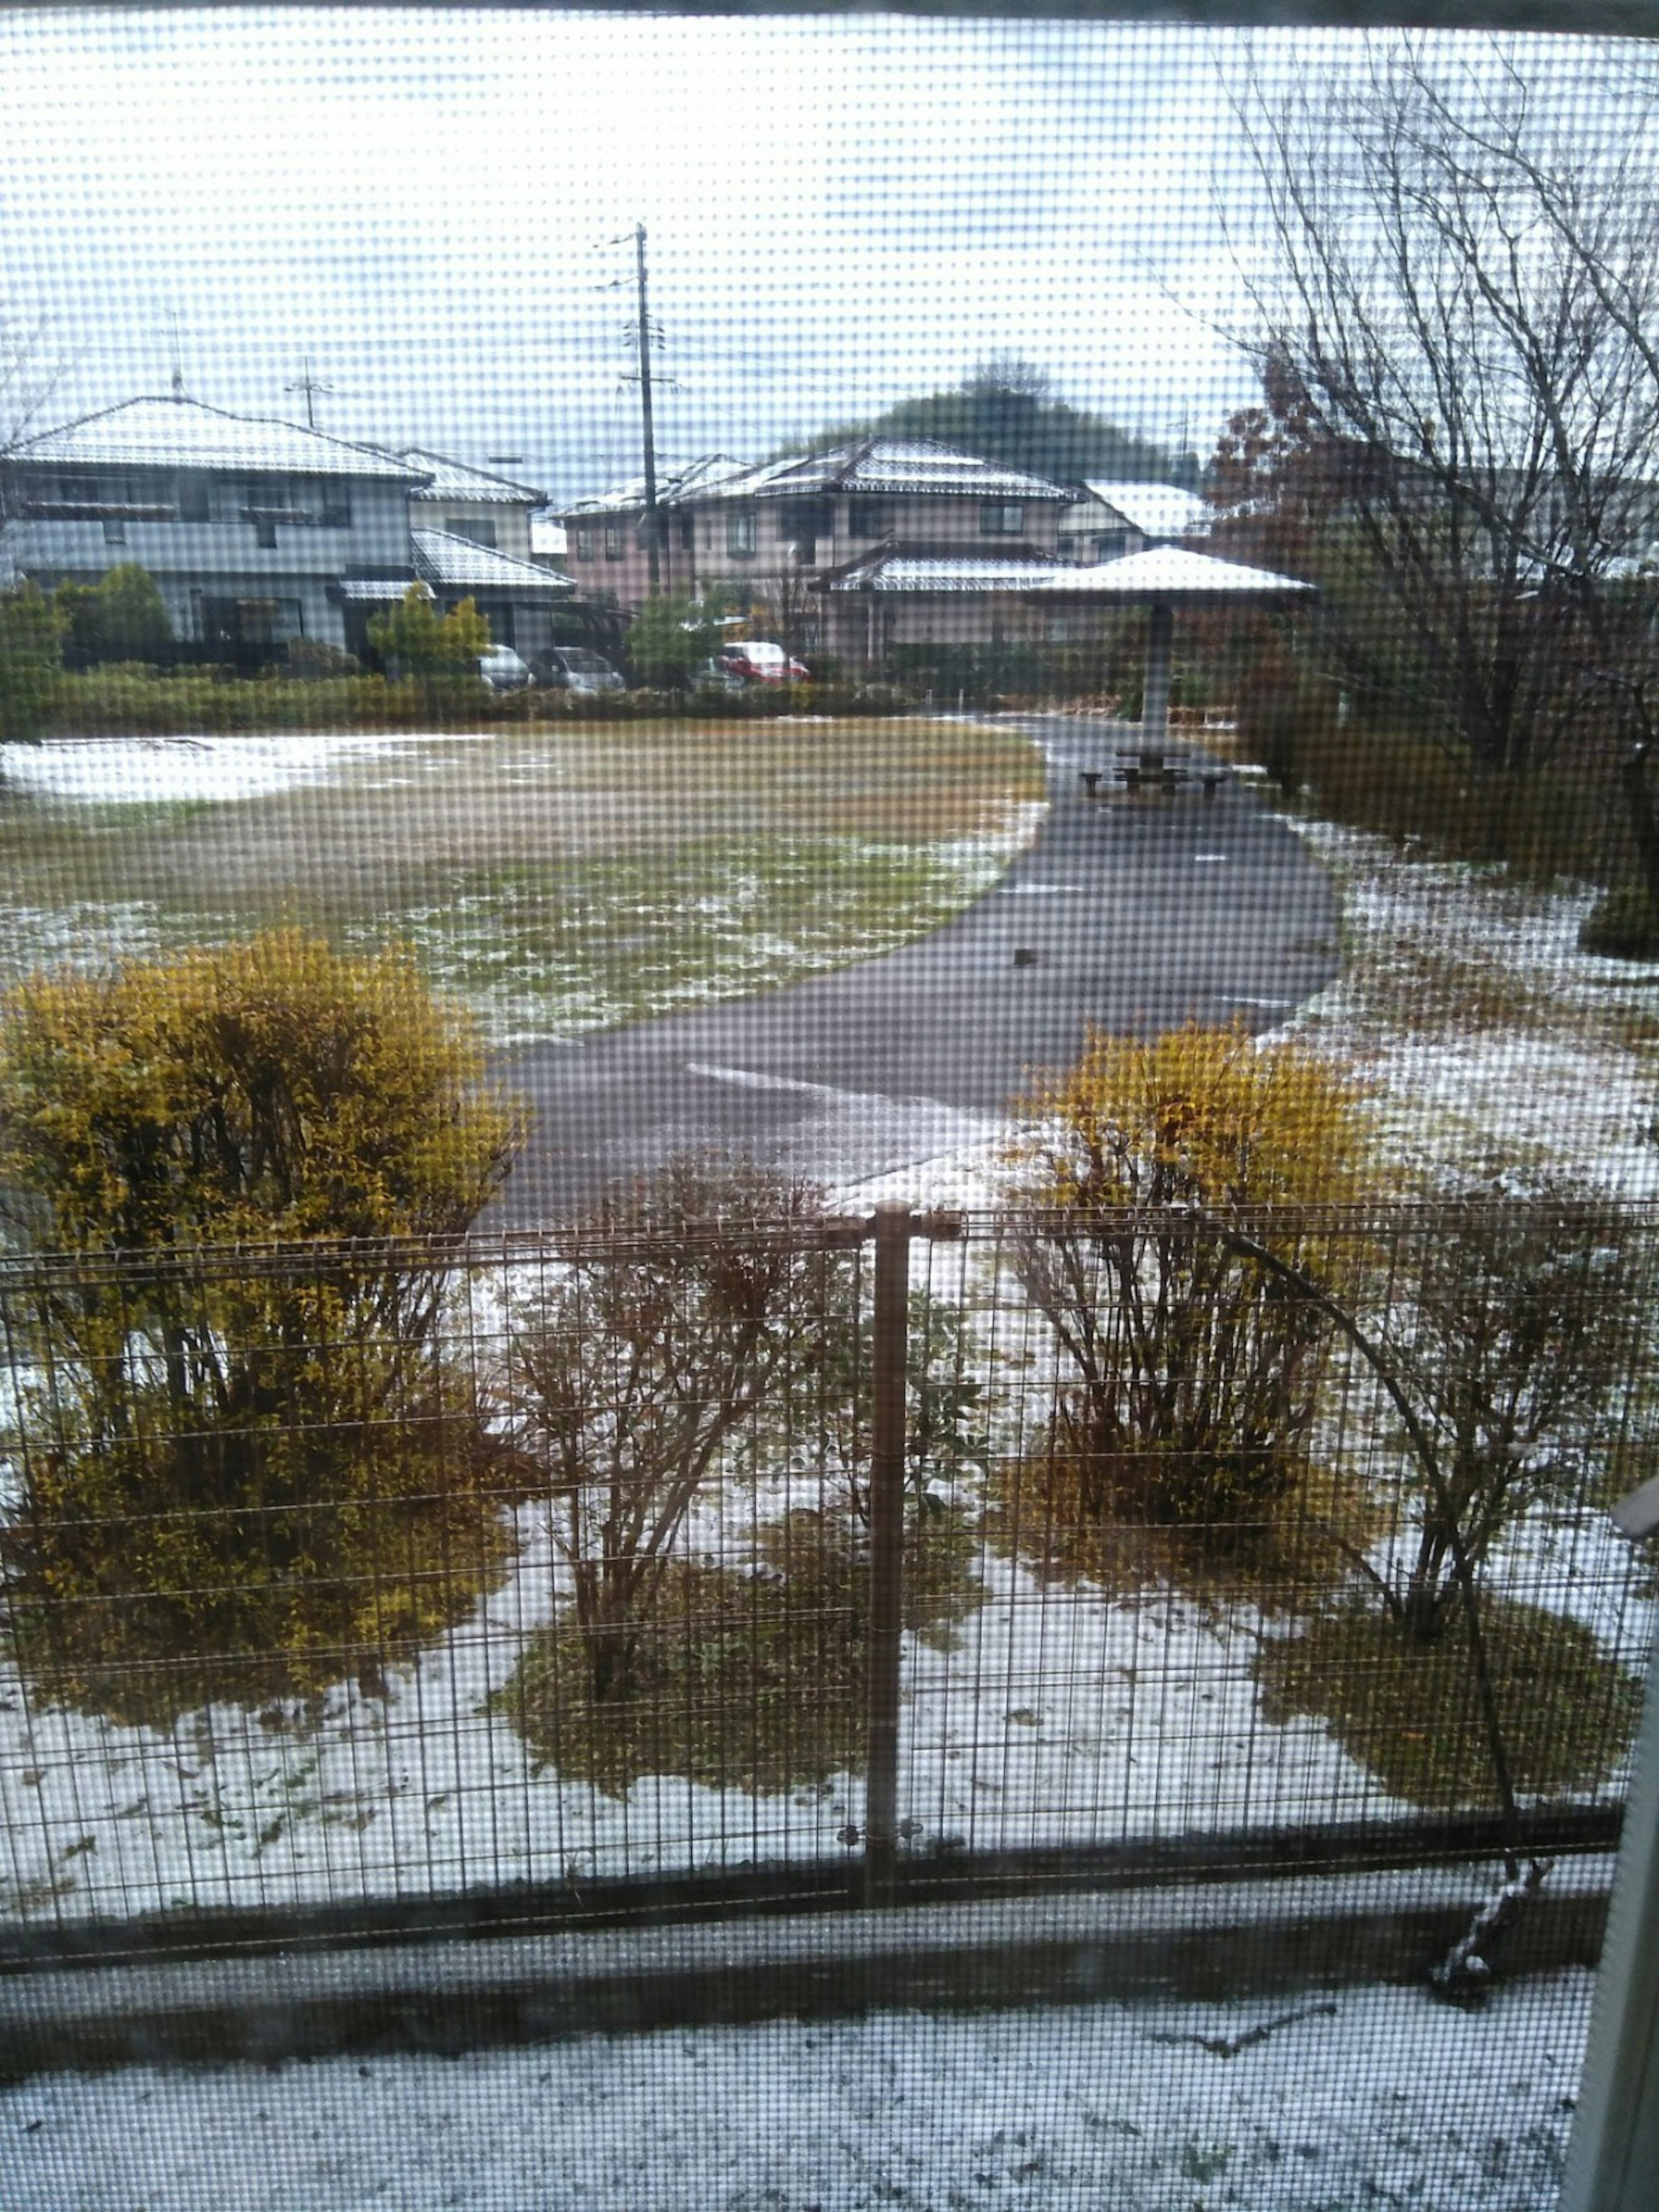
129 699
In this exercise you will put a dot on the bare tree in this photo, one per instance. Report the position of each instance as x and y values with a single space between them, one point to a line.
29 376
679 1310
1455 297
792 604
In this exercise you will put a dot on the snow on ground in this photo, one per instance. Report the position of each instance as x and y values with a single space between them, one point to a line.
1369 2097
148 771
1053 1718
1494 1043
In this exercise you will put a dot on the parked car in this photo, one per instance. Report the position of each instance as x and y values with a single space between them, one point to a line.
757 662
711 676
503 670
575 668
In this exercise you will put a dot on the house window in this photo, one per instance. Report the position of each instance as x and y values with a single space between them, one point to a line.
1001 518
1111 545
803 523
250 622
479 533
688 534
613 541
79 491
265 532
115 531
584 545
739 533
866 518
195 499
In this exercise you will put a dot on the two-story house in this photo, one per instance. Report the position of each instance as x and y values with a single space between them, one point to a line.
814 538
258 532
248 525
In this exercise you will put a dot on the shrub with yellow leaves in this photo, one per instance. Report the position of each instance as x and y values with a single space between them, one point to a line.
240 1473
1194 1366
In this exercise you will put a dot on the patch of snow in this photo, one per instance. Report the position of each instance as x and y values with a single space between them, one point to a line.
1372 2096
1493 1043
146 771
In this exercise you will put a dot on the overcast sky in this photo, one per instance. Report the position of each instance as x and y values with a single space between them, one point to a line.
842 211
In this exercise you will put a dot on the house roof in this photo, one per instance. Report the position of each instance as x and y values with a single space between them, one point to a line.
1169 571
871 465
548 540
676 480
456 564
905 464
186 434
455 480
1156 510
889 570
377 591
1166 573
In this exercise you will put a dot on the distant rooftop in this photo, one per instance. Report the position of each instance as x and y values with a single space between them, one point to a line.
908 464
454 480
676 480
871 465
457 564
186 433
887 570
1156 510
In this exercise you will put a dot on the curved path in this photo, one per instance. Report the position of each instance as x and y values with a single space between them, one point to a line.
1135 913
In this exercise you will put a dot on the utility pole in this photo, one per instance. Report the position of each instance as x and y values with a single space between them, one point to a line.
647 430
309 385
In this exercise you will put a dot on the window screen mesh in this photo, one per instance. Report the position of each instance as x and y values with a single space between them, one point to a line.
829 905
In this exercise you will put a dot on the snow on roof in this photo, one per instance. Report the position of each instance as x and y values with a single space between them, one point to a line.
1167 572
376 591
173 433
909 465
548 540
457 564
1170 572
453 480
871 465
1156 510
676 480
886 571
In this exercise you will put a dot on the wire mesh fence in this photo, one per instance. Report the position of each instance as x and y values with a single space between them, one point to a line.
912 1551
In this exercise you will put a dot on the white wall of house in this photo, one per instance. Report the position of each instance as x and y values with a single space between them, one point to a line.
498 523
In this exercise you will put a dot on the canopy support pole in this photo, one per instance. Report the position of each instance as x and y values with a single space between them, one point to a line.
1155 696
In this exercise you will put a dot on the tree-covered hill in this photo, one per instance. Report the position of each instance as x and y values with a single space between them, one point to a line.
1004 410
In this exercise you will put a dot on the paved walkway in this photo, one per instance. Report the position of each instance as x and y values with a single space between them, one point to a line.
1132 912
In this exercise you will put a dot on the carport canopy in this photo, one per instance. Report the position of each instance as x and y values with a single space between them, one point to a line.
1161 579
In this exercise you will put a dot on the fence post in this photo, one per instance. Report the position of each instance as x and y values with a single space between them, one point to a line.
888 1349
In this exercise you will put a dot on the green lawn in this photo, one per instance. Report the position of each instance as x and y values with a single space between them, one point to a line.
555 881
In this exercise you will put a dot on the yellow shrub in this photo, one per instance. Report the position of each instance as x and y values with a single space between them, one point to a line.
1194 1366
241 1475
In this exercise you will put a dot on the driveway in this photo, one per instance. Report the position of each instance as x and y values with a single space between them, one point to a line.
1134 912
